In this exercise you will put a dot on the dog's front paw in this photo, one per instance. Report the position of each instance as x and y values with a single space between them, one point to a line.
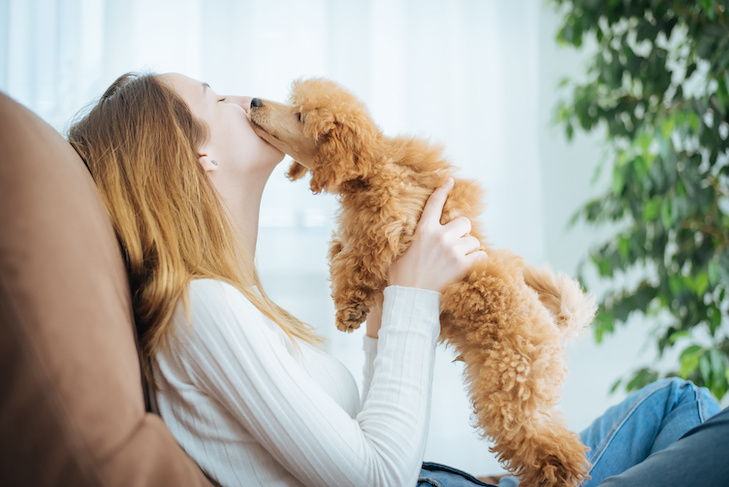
349 319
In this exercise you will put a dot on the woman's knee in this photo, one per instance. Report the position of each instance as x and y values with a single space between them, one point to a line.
687 391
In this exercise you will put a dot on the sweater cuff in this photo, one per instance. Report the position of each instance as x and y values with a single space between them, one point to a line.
411 309
369 345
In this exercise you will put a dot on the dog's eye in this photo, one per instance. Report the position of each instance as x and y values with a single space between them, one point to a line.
298 116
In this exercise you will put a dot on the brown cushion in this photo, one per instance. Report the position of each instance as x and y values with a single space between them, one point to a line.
71 401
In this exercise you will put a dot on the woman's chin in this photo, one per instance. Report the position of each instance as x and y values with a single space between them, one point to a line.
279 156
273 154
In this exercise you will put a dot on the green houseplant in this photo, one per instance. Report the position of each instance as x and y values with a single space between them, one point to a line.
657 84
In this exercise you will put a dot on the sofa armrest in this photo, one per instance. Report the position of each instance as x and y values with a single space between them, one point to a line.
71 398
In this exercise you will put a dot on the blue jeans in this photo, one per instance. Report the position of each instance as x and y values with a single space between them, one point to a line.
636 442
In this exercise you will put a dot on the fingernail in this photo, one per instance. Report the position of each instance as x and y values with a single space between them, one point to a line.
449 181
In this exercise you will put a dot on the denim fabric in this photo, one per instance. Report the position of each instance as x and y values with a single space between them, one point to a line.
647 421
436 475
700 457
648 425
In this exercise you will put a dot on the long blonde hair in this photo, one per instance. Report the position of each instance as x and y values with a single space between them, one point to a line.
140 144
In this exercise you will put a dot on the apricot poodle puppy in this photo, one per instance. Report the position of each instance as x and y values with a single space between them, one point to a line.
506 320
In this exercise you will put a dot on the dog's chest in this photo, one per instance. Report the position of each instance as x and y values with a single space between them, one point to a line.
380 220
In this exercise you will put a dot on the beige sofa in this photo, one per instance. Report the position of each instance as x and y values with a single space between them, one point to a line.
72 408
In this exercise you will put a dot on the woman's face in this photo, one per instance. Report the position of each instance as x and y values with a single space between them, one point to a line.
231 140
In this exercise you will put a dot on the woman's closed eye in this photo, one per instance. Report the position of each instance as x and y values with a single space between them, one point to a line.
222 99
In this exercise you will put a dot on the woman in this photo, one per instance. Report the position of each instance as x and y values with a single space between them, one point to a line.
241 383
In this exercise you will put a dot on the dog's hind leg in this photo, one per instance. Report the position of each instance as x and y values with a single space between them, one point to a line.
515 367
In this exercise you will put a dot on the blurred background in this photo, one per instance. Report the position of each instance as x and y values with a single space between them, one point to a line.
479 77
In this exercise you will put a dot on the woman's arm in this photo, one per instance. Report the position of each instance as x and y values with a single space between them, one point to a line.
236 356
369 345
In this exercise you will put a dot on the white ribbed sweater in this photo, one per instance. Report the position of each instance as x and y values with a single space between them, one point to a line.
253 409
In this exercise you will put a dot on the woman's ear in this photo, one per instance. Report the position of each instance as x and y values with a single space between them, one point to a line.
208 163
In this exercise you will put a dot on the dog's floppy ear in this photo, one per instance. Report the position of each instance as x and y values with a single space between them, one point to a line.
348 151
296 171
338 159
319 123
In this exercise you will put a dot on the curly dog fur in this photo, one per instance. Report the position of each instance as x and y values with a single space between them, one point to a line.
506 320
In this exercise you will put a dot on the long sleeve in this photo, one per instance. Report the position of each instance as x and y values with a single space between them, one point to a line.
369 345
232 353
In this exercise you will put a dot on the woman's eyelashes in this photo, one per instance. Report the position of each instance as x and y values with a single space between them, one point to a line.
222 99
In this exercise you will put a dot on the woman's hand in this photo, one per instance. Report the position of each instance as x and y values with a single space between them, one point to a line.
439 254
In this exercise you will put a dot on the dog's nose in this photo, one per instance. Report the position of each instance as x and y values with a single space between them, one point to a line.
256 102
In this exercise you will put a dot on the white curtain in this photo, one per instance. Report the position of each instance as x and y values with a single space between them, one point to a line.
462 72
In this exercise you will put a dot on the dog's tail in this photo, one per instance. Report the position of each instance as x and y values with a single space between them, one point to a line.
572 309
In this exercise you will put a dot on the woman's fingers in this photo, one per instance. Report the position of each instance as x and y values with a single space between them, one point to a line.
467 244
433 208
475 256
458 227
